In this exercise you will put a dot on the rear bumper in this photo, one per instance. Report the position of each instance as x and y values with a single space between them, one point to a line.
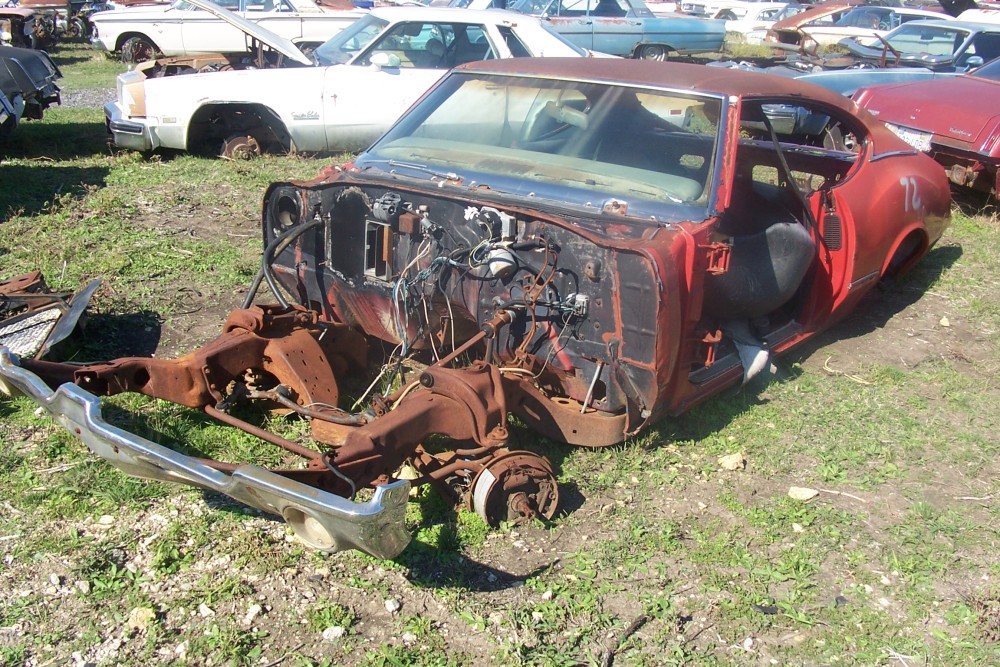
129 133
322 520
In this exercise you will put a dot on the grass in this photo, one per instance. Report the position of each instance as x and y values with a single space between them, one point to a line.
661 557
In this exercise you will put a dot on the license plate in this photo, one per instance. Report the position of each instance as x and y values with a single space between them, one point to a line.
919 140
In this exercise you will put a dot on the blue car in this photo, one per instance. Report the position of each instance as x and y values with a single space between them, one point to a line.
626 27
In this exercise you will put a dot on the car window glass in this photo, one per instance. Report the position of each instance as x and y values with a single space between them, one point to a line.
536 7
416 44
915 38
348 42
613 8
516 46
864 17
269 6
573 7
657 146
470 44
985 45
990 70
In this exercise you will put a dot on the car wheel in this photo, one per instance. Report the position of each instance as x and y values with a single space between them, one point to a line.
137 50
77 28
241 147
656 52
726 15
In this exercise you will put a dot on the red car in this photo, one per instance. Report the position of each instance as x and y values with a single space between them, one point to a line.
592 246
955 120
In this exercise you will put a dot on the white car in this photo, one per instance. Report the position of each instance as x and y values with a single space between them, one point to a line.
752 20
185 28
720 9
356 86
865 22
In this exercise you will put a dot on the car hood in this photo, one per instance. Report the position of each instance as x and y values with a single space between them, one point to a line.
942 107
280 44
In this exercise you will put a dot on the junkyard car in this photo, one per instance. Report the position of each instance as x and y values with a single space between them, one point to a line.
185 28
728 10
752 21
625 27
28 82
954 120
787 30
603 243
938 45
362 80
862 22
22 26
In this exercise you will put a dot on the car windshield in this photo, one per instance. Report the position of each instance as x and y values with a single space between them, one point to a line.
916 37
343 46
575 143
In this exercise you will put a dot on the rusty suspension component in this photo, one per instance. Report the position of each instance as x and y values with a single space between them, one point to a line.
289 358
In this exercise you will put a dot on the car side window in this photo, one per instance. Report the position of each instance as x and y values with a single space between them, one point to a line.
612 8
418 45
470 44
820 146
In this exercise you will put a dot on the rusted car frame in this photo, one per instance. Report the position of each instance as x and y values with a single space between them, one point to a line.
679 226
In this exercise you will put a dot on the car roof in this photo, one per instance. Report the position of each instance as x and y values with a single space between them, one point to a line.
700 78
974 26
452 14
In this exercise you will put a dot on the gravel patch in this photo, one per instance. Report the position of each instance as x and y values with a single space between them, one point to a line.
87 97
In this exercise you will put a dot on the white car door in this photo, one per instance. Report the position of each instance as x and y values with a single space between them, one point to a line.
364 98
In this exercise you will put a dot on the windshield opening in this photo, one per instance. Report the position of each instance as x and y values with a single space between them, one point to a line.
576 142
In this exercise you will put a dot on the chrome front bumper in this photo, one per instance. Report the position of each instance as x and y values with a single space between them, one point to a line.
127 133
322 520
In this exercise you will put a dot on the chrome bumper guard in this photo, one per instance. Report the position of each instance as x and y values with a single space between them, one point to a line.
129 134
322 520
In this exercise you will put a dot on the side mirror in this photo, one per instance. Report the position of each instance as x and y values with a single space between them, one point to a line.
973 62
382 60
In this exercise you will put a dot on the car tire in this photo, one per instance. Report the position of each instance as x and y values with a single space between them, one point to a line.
657 52
77 28
137 49
726 15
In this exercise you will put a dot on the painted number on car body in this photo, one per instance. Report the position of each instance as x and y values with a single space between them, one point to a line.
911 194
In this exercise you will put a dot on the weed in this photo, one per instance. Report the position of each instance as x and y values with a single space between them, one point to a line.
325 614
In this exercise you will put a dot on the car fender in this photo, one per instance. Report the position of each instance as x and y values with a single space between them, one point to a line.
174 101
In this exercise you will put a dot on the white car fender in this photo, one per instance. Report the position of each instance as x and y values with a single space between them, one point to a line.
293 95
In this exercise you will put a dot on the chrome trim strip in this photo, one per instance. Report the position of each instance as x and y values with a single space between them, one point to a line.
864 279
320 519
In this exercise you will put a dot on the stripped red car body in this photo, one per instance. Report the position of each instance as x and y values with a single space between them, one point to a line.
937 118
599 246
